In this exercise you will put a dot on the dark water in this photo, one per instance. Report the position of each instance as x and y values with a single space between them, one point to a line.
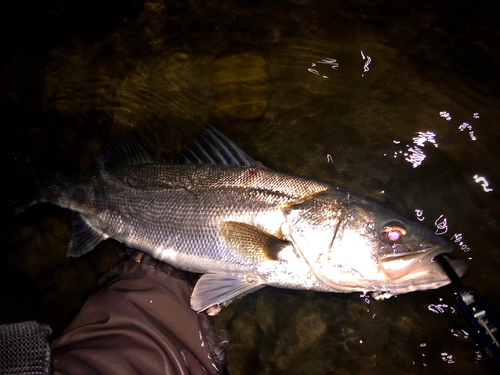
354 93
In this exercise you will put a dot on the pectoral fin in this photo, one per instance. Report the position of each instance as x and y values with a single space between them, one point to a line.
252 243
213 289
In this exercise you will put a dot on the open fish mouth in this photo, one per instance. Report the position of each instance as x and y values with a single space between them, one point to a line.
433 273
408 272
395 266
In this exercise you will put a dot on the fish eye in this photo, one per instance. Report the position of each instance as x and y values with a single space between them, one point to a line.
393 233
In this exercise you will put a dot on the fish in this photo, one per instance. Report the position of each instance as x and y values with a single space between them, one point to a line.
219 213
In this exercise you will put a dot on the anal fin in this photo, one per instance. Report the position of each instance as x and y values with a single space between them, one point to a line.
84 239
214 288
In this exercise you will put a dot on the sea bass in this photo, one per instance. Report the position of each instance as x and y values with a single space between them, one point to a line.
243 226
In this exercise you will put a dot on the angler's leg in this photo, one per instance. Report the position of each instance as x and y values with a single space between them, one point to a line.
140 321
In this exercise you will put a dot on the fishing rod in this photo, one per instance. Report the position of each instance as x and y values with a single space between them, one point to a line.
475 310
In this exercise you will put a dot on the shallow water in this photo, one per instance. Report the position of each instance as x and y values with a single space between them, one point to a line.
355 93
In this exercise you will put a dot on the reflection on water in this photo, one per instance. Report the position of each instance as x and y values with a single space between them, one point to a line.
331 63
415 155
368 61
359 82
482 181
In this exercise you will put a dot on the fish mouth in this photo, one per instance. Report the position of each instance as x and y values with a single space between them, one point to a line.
408 272
395 266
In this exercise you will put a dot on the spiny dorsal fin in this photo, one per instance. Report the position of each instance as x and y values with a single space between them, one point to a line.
213 148
252 243
121 151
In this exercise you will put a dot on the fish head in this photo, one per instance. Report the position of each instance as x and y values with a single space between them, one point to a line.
354 244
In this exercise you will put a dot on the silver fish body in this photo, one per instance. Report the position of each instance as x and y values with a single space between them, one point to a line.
244 227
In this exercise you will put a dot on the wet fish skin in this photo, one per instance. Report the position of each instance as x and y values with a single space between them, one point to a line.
244 227
174 213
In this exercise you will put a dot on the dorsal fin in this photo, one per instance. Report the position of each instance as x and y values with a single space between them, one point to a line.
121 151
213 148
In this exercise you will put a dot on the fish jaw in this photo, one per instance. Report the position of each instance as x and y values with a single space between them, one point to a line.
420 273
395 266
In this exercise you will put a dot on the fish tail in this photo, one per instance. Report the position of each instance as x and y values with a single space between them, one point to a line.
26 187
51 187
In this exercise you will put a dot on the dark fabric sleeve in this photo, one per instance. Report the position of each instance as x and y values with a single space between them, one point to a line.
139 322
24 348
